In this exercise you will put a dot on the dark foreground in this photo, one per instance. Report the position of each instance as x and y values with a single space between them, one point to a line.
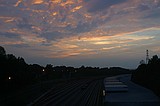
79 92
88 91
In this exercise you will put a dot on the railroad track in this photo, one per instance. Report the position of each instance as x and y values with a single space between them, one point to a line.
71 94
92 95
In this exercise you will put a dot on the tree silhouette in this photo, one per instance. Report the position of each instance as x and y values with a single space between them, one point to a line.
148 74
49 67
142 62
153 60
2 51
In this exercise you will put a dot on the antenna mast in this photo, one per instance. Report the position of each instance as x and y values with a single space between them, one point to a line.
147 56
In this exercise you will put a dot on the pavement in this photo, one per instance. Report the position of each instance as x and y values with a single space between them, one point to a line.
135 96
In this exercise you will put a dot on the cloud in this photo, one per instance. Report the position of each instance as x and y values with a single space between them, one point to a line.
7 40
99 44
8 11
154 14
9 3
79 28
9 35
50 36
33 40
98 5
24 23
143 7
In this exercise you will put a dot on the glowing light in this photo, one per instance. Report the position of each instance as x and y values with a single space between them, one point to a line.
9 78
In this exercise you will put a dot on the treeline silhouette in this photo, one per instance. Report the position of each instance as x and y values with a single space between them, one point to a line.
148 75
15 72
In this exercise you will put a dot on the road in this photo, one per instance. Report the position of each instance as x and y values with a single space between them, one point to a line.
136 95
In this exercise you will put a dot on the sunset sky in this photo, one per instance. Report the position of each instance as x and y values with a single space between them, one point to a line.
81 32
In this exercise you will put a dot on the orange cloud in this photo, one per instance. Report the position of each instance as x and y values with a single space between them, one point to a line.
37 1
17 3
10 20
76 8
89 45
31 40
54 13
10 41
102 43
63 55
68 2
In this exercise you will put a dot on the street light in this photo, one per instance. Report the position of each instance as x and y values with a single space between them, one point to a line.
43 70
7 87
9 78
41 79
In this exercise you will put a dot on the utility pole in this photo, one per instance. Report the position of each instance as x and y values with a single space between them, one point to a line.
147 56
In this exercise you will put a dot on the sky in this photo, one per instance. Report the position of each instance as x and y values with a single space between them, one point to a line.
100 33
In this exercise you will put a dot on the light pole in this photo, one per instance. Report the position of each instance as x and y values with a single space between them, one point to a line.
9 82
7 88
43 71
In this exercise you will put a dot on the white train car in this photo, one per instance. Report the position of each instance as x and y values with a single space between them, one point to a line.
116 88
114 85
